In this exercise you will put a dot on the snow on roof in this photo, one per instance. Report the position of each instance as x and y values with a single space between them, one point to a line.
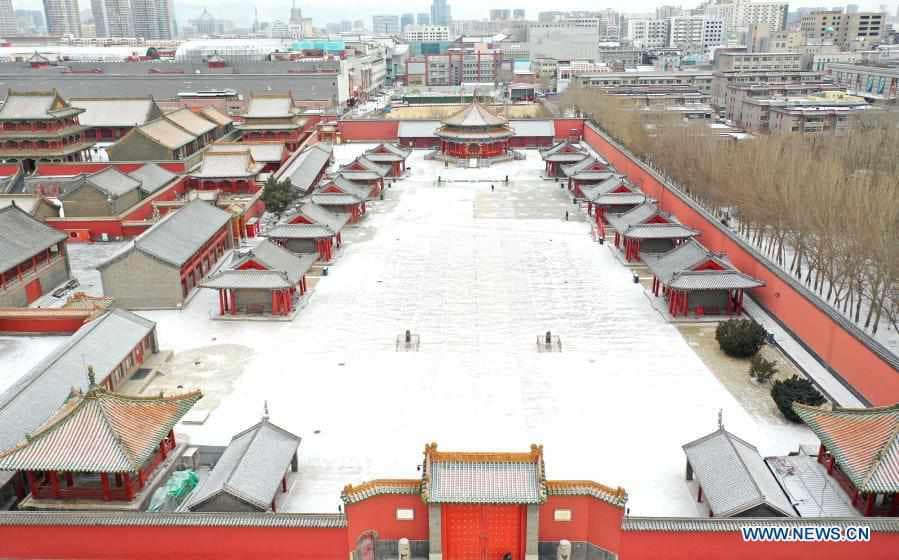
22 236
261 151
306 166
102 344
152 177
119 112
251 467
272 105
190 121
733 475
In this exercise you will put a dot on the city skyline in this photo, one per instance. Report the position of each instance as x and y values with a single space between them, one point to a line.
323 12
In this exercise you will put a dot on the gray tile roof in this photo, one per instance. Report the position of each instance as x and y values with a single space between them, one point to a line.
582 165
559 146
353 494
277 258
635 216
267 106
152 177
369 165
101 343
237 162
492 483
733 476
180 234
190 121
305 167
683 257
359 190
320 215
142 519
417 129
22 236
166 134
619 199
734 524
387 152
251 467
474 115
658 231
533 128
248 279
714 280
615 496
606 186
118 112
113 182
38 105
261 151
334 199
300 231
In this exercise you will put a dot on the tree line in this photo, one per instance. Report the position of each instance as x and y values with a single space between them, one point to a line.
824 207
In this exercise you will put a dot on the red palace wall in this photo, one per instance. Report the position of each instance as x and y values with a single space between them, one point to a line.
592 520
157 542
369 130
43 321
690 545
378 514
862 368
565 127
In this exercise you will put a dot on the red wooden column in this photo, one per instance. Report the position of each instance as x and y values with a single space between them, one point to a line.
32 483
233 301
221 303
70 480
104 484
162 450
54 484
129 491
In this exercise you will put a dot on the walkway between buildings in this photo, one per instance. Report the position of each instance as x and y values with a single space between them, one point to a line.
823 378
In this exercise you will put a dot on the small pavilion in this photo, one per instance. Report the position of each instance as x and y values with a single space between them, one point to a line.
363 171
306 238
99 446
860 449
563 153
692 278
312 213
648 229
266 280
589 171
389 154
474 133
602 198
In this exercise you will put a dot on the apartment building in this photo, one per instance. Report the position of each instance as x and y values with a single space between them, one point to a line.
755 61
696 34
426 33
846 30
721 80
648 33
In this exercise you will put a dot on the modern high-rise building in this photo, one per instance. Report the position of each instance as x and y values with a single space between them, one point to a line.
500 15
385 24
296 14
154 19
423 19
112 18
648 33
844 29
7 18
406 19
518 13
440 13
695 33
63 17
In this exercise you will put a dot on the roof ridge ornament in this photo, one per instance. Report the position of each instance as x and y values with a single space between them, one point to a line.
265 414
721 419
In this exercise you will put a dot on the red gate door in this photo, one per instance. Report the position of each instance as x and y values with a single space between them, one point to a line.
482 532
33 290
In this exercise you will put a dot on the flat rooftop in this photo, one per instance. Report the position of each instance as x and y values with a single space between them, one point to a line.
478 275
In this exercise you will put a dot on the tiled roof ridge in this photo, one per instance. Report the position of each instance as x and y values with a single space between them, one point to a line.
185 519
616 496
535 455
893 439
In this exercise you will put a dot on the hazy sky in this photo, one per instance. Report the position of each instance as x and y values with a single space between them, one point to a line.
324 11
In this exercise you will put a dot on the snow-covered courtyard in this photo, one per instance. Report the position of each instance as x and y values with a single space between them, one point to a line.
478 275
